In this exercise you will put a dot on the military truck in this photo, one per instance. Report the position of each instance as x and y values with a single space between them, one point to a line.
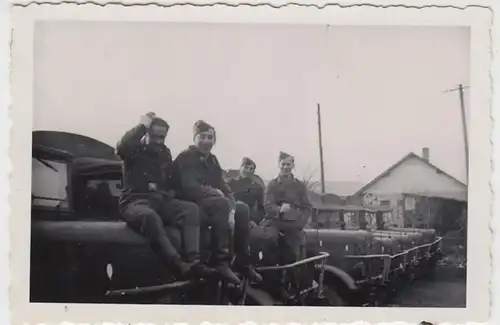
373 262
82 251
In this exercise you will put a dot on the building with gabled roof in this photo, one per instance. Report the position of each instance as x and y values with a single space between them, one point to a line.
411 180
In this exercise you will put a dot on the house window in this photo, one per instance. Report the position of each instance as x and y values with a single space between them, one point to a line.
350 219
385 203
387 217
410 203
49 184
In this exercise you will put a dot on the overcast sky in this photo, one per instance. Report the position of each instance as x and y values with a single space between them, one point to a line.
380 89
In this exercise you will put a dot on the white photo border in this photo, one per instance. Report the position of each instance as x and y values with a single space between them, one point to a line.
479 20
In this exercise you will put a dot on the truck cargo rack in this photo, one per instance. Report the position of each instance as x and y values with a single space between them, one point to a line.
152 289
321 256
387 258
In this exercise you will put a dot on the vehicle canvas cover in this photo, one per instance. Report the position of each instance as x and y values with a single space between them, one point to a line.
85 156
75 145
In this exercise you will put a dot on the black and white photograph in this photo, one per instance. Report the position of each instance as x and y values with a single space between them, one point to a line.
250 164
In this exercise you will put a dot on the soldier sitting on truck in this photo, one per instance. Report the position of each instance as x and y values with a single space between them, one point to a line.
147 202
201 180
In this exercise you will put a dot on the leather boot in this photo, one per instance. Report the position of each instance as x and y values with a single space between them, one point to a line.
253 275
250 272
241 265
227 274
220 255
200 270
181 269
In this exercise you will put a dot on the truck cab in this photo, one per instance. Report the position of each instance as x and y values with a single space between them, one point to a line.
79 243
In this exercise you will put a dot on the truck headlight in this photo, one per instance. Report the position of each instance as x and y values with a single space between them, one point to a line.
109 271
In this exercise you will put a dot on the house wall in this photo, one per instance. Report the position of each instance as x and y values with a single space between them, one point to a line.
412 176
394 201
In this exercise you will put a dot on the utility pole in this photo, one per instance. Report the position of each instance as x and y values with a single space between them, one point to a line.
460 90
321 151
464 129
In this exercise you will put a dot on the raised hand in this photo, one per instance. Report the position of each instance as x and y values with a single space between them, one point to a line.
285 207
147 119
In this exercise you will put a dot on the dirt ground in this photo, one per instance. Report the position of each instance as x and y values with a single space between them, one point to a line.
446 289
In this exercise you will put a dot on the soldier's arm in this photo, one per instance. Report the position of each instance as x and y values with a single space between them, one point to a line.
186 172
261 210
226 189
304 202
223 186
232 185
270 204
130 141
168 173
305 205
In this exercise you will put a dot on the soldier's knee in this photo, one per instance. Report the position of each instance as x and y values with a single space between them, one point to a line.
242 212
242 207
151 224
273 233
191 208
191 213
222 203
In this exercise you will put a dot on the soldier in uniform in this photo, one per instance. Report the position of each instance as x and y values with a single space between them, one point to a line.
201 180
288 207
147 202
246 190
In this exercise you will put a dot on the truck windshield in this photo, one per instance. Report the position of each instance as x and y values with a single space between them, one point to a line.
111 186
49 182
97 196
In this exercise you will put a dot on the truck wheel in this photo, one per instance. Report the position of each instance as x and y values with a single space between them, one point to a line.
332 296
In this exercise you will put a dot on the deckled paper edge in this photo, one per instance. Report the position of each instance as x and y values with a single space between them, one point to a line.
495 177
280 3
5 163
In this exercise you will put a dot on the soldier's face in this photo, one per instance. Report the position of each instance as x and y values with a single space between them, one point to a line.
247 171
157 134
286 166
205 140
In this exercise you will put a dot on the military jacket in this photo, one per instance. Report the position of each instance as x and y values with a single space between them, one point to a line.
250 192
197 175
287 190
144 170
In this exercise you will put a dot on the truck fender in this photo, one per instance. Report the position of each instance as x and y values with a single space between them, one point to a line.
342 284
335 275
259 297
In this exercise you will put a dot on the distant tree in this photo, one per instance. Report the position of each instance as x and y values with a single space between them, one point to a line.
311 184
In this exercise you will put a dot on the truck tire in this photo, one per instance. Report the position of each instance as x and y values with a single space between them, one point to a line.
332 296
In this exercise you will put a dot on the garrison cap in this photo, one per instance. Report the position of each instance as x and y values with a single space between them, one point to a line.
201 126
283 155
247 161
